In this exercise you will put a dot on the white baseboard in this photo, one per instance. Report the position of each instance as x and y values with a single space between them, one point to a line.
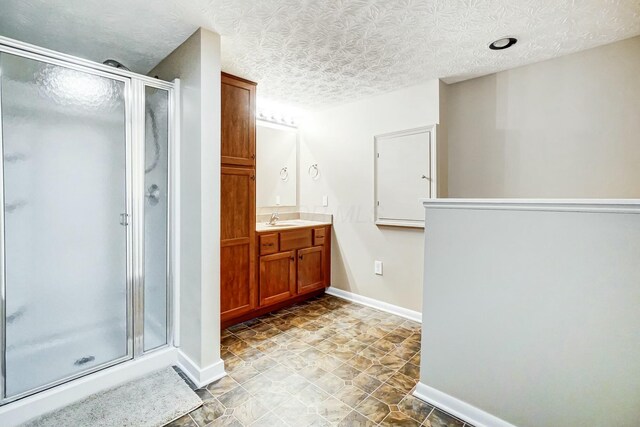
374 303
22 410
200 376
458 408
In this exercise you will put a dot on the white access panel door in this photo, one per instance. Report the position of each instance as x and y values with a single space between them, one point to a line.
402 176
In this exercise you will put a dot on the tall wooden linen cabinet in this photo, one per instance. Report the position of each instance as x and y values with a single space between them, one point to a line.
238 195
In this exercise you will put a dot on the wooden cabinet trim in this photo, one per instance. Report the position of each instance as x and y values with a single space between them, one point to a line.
237 278
235 80
235 242
268 244
238 287
310 272
280 295
234 170
286 289
318 236
238 132
295 239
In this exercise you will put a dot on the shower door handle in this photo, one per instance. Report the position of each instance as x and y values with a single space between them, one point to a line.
153 194
124 219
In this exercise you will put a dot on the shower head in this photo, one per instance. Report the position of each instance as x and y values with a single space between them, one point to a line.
115 64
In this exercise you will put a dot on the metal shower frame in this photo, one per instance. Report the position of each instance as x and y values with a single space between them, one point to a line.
134 95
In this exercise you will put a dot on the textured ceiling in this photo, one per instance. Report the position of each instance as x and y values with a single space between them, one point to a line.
315 53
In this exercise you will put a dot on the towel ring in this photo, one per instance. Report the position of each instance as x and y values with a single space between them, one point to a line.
284 174
314 172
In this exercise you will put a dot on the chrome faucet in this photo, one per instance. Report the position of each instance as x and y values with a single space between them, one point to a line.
274 218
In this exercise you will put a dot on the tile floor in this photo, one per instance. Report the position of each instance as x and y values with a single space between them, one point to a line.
326 362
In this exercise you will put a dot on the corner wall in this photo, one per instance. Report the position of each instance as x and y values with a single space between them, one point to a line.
197 63
443 140
568 127
340 141
531 313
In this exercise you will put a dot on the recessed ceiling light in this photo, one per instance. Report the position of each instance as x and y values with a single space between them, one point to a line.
503 43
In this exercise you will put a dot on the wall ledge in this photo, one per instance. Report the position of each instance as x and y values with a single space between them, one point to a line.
458 408
621 206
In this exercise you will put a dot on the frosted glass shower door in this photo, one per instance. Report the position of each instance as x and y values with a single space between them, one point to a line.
64 140
156 184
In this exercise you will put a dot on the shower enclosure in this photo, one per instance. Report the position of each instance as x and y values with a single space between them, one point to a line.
84 230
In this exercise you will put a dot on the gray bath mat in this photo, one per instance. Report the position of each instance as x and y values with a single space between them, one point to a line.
153 400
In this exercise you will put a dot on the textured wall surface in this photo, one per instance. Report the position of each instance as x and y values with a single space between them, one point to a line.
319 53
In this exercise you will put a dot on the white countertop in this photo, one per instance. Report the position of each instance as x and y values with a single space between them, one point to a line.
289 224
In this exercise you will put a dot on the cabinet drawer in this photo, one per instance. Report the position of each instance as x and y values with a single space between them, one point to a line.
318 236
268 244
295 239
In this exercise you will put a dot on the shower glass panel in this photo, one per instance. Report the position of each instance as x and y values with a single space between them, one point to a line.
156 184
65 201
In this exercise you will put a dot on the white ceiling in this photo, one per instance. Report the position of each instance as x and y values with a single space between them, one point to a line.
315 53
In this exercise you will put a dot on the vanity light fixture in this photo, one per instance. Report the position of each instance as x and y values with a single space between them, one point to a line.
503 43
277 113
272 118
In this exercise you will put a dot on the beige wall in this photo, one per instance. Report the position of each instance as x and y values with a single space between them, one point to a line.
197 63
340 141
532 315
567 127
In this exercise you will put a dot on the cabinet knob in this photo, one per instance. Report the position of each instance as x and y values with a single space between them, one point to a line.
292 258
300 257
253 156
253 177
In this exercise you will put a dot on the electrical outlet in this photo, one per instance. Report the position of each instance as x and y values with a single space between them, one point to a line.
377 267
325 200
277 200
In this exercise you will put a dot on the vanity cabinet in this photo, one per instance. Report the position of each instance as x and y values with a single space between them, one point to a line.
259 272
237 237
238 290
311 271
238 126
293 265
308 254
277 277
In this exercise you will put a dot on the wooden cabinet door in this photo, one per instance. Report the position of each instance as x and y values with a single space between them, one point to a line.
277 277
311 271
238 121
237 248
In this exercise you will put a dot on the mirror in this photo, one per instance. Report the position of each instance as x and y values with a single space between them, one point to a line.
276 165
